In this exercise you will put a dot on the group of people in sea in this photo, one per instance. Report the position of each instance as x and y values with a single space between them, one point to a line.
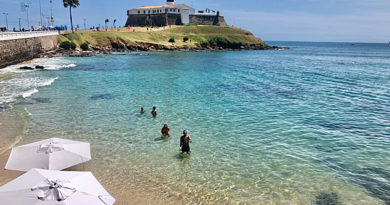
185 139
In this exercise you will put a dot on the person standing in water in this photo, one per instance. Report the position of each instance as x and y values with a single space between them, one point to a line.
154 112
165 130
142 110
185 141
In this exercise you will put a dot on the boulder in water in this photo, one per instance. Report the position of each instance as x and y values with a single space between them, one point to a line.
26 68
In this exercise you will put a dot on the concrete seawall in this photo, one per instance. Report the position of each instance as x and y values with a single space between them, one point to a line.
24 49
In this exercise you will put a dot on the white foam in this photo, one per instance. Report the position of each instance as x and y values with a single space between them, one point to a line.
29 114
29 93
48 82
48 64
27 82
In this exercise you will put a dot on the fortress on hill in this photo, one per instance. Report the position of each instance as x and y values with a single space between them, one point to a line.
173 14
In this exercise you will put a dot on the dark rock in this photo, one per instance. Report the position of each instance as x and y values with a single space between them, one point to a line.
81 54
39 67
327 199
26 68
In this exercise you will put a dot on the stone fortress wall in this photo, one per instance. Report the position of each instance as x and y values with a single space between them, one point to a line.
173 19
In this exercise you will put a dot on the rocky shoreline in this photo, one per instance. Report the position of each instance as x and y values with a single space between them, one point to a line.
146 47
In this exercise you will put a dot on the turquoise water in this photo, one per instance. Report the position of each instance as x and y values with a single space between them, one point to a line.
296 126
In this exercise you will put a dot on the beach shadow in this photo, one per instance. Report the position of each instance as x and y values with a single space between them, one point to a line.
42 100
162 139
182 156
106 96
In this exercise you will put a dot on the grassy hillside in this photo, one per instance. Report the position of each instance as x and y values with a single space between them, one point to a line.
197 35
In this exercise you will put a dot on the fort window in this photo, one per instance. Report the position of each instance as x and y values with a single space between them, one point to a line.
139 11
178 10
149 11
144 12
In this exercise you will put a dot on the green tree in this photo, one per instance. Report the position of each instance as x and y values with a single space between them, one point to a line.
106 21
71 4
84 46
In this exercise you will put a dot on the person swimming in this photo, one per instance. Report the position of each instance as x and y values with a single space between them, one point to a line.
142 110
185 141
165 130
154 112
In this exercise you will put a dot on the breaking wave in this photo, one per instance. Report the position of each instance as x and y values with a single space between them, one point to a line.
29 93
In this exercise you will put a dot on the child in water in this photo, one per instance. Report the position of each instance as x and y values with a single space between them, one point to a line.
165 130
142 110
154 112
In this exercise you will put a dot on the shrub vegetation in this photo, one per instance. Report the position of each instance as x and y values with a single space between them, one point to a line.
72 45
65 45
84 46
222 42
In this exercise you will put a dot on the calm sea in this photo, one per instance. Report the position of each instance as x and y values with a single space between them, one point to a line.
308 125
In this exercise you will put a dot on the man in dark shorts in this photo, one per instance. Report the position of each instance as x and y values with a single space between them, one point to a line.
185 141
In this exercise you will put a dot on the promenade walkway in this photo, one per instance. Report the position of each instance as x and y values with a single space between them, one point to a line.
4 36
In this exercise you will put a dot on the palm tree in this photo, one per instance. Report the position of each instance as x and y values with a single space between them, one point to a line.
114 23
71 4
106 21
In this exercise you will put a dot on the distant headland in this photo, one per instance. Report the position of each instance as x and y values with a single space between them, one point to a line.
169 27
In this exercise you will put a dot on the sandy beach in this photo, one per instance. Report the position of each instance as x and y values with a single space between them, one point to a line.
134 194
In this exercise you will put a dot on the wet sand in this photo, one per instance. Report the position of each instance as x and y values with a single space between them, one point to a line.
123 197
137 190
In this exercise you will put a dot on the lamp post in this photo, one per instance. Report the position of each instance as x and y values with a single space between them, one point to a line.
51 13
28 19
40 13
20 25
6 19
85 24
25 7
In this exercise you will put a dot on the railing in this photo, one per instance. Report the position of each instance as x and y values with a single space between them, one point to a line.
20 35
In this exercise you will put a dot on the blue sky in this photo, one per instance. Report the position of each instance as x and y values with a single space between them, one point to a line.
290 20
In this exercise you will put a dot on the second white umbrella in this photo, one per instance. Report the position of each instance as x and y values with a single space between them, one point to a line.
46 187
51 154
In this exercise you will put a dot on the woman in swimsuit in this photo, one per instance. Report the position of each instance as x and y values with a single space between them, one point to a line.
185 141
165 130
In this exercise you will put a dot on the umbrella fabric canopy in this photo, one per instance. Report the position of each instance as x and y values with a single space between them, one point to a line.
48 187
52 154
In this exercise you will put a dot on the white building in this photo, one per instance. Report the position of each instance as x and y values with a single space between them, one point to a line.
170 8
171 14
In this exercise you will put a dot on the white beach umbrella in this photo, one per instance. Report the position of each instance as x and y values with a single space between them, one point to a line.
52 154
48 187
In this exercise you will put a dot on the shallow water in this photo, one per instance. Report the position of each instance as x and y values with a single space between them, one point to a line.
302 126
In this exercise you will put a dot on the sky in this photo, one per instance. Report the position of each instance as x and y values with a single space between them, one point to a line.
271 20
